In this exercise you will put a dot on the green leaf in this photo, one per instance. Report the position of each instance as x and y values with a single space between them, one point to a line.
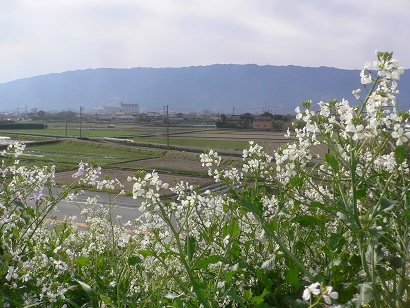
336 242
232 293
256 300
300 246
200 291
228 275
332 161
67 300
106 299
395 261
236 250
19 204
318 205
296 181
294 303
271 225
361 193
134 260
232 229
82 261
387 204
248 295
400 154
203 263
263 278
253 207
171 296
87 289
365 295
292 277
145 252
190 247
305 220
407 197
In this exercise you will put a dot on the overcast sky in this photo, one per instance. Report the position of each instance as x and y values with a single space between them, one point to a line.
49 36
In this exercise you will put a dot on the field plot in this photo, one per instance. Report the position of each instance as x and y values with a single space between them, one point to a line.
218 139
89 129
174 162
68 153
118 161
59 129
122 160
228 140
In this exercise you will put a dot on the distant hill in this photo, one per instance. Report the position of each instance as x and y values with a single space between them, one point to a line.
218 88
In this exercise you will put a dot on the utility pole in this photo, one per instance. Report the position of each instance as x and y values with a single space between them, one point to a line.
167 127
66 126
81 119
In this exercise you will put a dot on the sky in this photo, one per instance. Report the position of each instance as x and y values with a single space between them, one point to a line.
38 37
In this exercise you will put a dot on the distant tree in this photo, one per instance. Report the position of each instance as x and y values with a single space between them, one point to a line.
62 116
278 124
267 114
246 120
40 115
224 123
281 117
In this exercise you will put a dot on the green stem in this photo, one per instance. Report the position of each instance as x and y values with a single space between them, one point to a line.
368 95
182 253
285 249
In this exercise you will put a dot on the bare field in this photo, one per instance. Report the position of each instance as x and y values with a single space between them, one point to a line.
270 140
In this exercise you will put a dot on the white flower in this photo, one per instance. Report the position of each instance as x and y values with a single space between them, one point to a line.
365 79
400 135
356 93
330 294
357 130
312 289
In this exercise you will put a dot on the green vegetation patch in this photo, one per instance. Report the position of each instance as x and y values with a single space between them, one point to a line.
76 132
227 145
71 152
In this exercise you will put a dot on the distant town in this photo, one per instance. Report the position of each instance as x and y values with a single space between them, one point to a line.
130 113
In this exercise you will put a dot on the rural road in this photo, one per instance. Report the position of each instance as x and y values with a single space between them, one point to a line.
127 207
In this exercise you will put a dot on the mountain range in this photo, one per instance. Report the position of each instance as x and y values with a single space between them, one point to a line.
219 88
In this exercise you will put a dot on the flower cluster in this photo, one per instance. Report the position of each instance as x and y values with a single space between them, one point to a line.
319 291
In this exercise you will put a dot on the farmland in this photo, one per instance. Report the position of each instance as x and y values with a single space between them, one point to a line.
144 149
148 151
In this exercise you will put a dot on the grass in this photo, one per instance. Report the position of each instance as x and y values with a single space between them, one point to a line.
75 132
100 130
228 145
69 153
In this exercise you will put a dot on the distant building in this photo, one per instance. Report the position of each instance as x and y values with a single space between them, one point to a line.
110 109
262 123
124 118
130 108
